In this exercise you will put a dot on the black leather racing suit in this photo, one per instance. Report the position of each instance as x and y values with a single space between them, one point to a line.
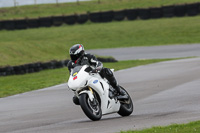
89 59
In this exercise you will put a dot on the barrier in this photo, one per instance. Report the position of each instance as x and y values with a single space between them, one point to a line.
9 25
57 20
168 11
21 24
144 14
29 68
81 19
65 62
19 69
38 66
10 70
106 59
119 15
70 19
34 67
101 16
6 71
3 71
45 22
193 9
180 10
132 14
58 64
107 16
45 65
156 13
33 23
1 25
95 17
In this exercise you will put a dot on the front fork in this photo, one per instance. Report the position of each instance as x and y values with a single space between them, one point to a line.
89 93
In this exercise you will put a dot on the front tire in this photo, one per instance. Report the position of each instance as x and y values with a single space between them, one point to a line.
91 111
126 107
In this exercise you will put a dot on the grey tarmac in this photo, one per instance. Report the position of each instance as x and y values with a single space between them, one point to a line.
153 52
163 93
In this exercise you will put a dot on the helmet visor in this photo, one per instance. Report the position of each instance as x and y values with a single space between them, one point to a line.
74 57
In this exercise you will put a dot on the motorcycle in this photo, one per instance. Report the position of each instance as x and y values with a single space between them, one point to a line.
96 96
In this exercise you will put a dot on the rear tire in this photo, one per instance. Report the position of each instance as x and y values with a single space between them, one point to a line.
126 107
91 111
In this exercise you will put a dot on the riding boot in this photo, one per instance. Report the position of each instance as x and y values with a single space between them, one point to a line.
113 83
121 95
108 74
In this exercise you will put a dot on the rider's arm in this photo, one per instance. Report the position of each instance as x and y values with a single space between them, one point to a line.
94 62
99 66
70 66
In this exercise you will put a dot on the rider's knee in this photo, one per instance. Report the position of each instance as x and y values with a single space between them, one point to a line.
108 72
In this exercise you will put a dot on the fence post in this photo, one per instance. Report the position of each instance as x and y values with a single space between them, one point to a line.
15 3
57 2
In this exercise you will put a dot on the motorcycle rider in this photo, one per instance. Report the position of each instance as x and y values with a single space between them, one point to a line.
79 57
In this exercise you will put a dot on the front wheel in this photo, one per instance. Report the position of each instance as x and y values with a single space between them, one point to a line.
91 109
126 107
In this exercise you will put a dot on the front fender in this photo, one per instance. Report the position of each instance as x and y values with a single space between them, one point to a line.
89 93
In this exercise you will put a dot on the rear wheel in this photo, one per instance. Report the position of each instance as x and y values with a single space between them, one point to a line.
126 107
91 109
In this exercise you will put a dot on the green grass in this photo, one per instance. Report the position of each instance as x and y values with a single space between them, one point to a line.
44 44
83 7
192 127
11 85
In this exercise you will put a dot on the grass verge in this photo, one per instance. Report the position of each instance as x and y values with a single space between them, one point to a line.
44 44
83 7
192 127
11 85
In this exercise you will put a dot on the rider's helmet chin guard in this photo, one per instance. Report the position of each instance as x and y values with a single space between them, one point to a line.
76 51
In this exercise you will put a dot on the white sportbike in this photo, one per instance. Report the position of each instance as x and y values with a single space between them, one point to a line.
96 96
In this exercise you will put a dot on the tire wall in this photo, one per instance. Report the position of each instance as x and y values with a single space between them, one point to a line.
39 66
192 9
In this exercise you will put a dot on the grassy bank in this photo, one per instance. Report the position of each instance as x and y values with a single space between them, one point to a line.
192 127
11 85
44 44
82 7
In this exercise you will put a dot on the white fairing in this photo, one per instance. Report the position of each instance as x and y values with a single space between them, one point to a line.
80 81
83 79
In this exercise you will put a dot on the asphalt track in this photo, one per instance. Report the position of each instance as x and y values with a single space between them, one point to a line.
163 93
153 52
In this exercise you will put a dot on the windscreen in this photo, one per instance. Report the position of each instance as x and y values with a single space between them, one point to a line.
76 70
